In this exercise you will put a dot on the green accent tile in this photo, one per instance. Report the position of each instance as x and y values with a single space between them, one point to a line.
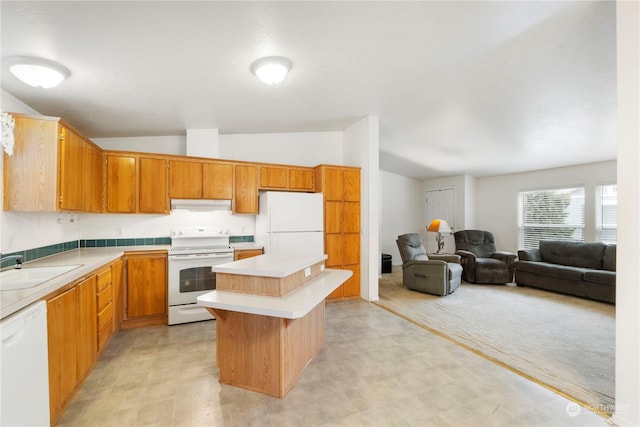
112 242
139 242
101 243
149 241
121 242
90 243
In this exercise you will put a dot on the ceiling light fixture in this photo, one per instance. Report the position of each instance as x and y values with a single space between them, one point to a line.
37 72
272 69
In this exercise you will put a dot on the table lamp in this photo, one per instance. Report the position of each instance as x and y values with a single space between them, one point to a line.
439 226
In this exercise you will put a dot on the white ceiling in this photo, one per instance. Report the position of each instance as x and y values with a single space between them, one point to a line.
479 88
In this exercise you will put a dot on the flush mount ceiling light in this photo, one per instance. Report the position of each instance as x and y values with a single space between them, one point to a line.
37 72
272 69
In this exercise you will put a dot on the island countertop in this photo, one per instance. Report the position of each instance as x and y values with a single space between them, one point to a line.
293 305
269 265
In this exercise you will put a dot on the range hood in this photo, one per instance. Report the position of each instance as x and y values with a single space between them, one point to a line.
200 205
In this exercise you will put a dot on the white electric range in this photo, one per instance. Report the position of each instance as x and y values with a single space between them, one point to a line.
194 250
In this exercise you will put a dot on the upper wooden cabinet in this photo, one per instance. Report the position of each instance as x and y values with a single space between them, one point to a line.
185 179
153 194
121 184
286 178
53 168
135 184
245 189
217 181
197 179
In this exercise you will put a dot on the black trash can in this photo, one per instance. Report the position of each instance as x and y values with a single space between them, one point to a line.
386 263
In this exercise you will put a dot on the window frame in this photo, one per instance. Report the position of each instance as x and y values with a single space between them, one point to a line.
580 227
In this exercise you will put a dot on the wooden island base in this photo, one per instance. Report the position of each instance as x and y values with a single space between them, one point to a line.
263 343
266 354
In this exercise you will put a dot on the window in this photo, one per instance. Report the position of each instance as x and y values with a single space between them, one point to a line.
552 214
606 213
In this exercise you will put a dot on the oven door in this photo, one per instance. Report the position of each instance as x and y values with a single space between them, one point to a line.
190 276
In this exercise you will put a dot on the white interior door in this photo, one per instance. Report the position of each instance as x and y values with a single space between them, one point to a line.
441 204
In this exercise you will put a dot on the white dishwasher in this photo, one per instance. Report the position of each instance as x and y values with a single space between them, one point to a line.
24 371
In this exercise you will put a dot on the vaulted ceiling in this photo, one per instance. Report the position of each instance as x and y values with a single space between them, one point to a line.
479 88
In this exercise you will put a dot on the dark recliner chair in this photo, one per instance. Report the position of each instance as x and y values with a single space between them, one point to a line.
481 262
433 274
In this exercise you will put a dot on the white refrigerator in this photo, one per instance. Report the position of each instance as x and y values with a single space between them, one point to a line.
291 223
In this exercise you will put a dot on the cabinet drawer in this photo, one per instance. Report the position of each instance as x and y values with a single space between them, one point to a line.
104 279
104 334
104 297
105 316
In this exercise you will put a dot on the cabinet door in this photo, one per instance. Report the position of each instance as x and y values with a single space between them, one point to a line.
185 180
121 184
351 217
351 288
87 329
333 217
246 253
217 181
62 321
350 248
93 179
351 185
273 177
333 184
152 186
118 294
146 285
71 172
301 179
245 189
333 243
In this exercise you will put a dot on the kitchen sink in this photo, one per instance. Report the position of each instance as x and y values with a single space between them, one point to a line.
11 280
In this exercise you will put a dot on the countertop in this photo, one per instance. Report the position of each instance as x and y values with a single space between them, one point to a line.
294 305
89 260
269 265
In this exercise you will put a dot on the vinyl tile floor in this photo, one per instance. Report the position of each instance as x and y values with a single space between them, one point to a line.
375 369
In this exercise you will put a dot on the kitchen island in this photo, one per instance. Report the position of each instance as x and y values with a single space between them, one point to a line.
270 319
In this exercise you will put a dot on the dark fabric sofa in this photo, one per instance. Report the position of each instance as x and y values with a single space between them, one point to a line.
585 270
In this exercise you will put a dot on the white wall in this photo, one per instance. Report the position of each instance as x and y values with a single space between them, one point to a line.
361 148
175 145
296 148
401 211
627 411
497 197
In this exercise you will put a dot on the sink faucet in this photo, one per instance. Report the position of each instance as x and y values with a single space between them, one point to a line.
18 259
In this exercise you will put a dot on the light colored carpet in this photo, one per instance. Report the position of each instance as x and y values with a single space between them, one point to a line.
562 342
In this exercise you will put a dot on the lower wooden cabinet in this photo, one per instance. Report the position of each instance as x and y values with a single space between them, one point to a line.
62 331
239 254
87 330
79 324
146 288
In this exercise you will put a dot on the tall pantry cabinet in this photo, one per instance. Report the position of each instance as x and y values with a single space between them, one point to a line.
340 186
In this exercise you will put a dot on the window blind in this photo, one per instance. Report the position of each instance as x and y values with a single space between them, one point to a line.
606 213
551 214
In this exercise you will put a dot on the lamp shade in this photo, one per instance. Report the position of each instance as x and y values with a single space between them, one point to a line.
439 226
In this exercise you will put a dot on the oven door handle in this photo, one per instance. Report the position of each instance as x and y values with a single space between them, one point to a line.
200 256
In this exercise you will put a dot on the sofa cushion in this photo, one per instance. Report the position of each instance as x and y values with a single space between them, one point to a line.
552 270
600 276
576 254
609 260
